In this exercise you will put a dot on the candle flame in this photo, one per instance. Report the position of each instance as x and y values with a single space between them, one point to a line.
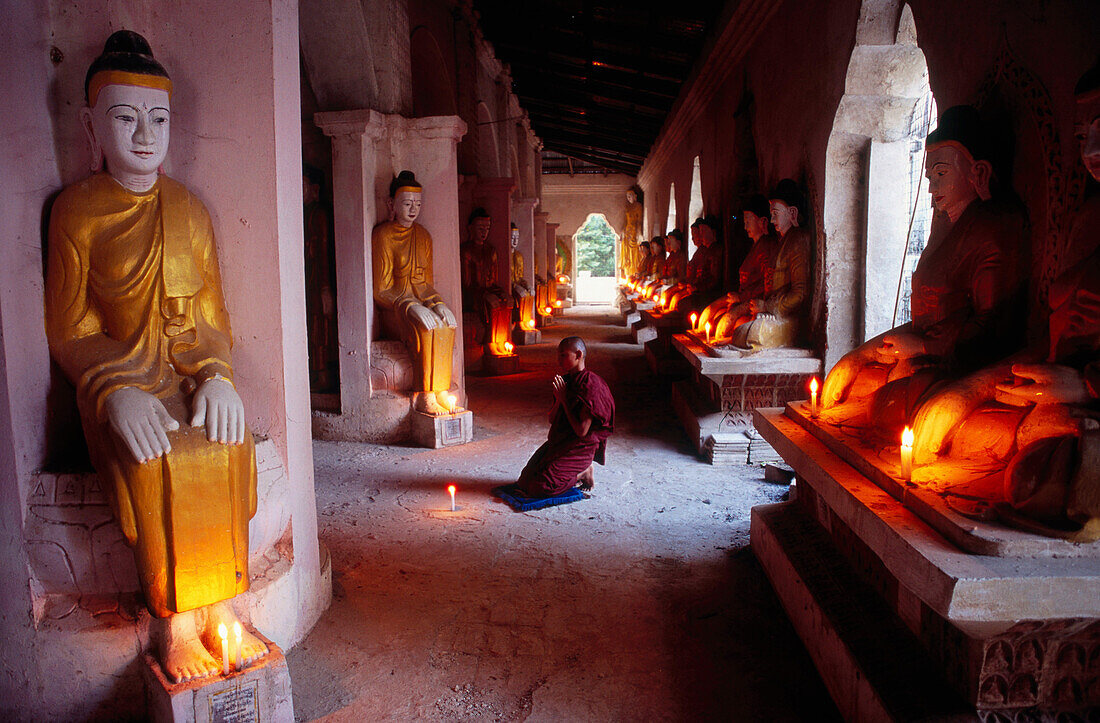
509 346
907 437
549 310
451 489
452 402
557 303
813 385
223 633
707 327
237 632
694 318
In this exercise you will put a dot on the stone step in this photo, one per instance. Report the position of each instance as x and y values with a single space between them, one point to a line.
872 664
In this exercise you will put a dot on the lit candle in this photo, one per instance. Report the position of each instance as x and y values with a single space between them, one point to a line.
707 327
509 346
452 402
694 318
907 454
237 635
813 397
530 323
451 489
557 304
224 635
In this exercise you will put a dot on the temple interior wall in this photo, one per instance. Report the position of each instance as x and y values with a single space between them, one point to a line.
789 88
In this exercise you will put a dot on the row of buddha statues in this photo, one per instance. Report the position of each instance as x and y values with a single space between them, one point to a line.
770 305
979 398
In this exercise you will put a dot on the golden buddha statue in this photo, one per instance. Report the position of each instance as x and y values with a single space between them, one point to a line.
629 258
968 290
777 318
412 310
136 320
1036 416
481 294
521 290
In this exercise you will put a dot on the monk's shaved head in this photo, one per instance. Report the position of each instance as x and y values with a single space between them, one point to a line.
573 343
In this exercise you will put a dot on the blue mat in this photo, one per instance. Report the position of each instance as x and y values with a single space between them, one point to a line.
522 503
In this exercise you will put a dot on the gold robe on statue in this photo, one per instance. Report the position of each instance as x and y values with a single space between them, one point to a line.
133 298
403 277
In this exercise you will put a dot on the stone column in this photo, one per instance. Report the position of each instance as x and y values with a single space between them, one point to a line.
354 136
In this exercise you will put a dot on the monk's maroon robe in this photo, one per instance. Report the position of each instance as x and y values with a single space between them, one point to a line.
554 466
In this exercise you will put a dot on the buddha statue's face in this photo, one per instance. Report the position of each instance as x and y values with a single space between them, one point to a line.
479 229
406 207
515 238
656 248
129 127
950 179
784 217
1087 131
672 244
630 197
755 226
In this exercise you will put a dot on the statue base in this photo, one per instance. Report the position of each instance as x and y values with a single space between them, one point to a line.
901 621
496 365
444 430
642 332
526 337
631 317
721 438
260 692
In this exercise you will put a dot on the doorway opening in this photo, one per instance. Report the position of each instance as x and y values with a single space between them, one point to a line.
595 243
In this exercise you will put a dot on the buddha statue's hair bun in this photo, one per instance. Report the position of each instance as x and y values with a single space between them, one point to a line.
127 51
403 180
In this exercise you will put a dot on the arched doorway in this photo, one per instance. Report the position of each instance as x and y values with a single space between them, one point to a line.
595 243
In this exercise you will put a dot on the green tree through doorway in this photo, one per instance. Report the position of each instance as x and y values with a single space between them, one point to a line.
595 243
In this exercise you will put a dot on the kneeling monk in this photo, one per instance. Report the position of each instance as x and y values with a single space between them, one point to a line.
581 420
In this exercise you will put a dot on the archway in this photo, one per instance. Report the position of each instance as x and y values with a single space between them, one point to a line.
695 204
877 209
595 243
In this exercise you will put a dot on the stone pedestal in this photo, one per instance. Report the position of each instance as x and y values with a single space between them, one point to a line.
715 405
260 692
662 358
499 364
913 611
526 337
445 430
368 150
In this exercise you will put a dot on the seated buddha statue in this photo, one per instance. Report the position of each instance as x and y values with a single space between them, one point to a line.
968 289
629 257
521 290
707 280
411 309
674 268
136 320
1037 415
645 263
754 275
481 292
777 318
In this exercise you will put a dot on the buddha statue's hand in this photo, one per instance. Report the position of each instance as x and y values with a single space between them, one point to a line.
840 378
899 346
444 313
1043 384
937 419
218 406
141 422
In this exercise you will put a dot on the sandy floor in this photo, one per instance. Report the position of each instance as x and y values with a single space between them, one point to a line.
641 603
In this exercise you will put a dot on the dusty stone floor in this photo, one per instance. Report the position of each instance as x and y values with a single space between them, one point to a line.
641 603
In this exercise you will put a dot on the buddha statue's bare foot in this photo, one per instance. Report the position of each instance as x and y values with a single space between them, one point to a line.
182 654
252 648
428 403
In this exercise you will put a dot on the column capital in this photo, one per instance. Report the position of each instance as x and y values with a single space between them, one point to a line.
365 123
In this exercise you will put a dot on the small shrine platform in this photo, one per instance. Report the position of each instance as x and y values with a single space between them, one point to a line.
910 606
659 353
716 402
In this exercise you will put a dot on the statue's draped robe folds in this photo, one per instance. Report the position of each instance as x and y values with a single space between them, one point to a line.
629 256
403 277
133 298
554 467
754 282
